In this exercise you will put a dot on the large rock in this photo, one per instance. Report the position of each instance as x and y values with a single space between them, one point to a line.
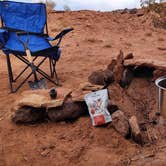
119 68
120 123
101 77
158 73
155 63
135 130
119 97
41 99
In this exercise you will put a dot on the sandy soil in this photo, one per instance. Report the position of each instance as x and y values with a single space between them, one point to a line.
97 39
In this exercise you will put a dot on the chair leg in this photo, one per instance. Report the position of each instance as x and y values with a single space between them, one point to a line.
57 79
27 66
12 80
10 73
38 69
51 71
55 73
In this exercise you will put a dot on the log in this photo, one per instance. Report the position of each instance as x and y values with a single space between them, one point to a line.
29 115
68 112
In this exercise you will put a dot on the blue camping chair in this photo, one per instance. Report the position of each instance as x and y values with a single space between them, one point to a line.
24 26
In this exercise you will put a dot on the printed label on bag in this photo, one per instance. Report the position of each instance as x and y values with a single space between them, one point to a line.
97 105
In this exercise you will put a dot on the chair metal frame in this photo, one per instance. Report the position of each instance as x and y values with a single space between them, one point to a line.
53 77
12 80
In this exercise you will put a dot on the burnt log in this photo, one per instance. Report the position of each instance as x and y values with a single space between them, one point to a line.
29 115
68 112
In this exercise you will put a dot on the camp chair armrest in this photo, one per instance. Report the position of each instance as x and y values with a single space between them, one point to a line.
62 33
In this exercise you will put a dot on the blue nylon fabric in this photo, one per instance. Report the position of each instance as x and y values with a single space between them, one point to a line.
30 17
3 37
35 43
0 8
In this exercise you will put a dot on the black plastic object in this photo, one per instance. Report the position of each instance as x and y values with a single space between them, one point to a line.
53 93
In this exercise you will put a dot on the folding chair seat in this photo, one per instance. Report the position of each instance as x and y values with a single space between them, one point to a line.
26 23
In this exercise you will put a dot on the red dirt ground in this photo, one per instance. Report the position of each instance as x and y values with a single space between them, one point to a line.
97 39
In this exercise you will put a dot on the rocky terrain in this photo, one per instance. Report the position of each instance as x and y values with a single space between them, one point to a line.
95 41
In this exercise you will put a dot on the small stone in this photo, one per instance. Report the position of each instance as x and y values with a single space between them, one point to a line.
140 14
162 121
25 158
124 11
158 114
1 118
120 123
133 11
51 146
45 152
158 73
129 56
